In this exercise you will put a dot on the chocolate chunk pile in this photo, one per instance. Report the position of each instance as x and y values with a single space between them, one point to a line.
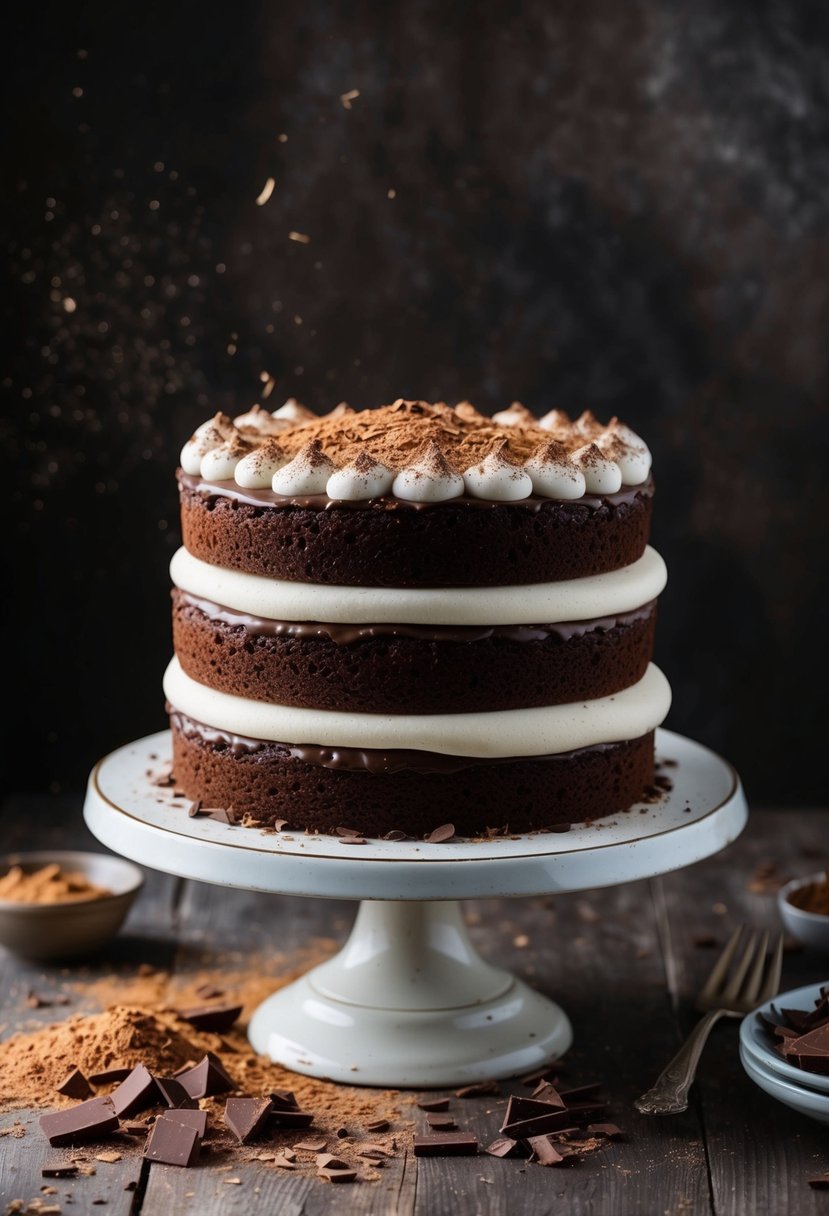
163 1105
802 1036
175 1134
550 1126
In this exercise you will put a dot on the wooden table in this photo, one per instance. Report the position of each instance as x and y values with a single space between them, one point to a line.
624 962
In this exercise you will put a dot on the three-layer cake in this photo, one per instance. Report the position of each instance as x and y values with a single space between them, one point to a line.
413 615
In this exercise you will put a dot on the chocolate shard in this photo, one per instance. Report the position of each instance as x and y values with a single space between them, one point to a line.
447 1144
439 835
218 1018
172 1142
572 1096
544 1151
220 814
88 1121
192 1118
372 1152
337 1173
545 1121
135 1093
283 1099
546 1092
246 1117
291 1118
441 1122
209 992
605 1129
797 1017
480 1089
207 1078
60 1169
520 1109
549 1073
810 1051
75 1085
821 1182
504 1146
434 1104
109 1076
311 1146
174 1093
377 1125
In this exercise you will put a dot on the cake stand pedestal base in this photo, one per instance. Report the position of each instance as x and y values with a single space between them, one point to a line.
409 1001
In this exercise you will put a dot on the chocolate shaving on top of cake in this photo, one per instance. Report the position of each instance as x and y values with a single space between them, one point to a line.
401 434
430 444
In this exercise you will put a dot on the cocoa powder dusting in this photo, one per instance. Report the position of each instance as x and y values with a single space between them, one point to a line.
396 434
141 1026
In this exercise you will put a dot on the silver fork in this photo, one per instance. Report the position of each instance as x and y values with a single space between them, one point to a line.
731 990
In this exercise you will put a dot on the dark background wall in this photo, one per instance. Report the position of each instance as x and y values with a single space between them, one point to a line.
620 205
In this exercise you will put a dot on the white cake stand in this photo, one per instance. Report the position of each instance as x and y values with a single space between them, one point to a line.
408 1001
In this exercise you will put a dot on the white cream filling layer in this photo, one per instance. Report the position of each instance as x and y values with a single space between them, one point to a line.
515 732
578 599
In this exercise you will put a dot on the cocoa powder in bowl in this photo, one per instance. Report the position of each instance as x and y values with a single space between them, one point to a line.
48 884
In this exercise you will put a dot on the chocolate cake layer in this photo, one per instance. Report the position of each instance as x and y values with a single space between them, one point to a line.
386 543
374 792
407 668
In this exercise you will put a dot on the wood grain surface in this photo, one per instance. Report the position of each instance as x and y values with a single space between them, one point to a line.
624 962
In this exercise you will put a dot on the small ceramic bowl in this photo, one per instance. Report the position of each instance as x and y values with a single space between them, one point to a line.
810 928
45 932
757 1043
805 1101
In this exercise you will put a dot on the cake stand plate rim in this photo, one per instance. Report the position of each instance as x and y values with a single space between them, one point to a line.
141 824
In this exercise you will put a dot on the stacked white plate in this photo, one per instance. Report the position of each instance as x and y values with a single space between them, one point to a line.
806 1092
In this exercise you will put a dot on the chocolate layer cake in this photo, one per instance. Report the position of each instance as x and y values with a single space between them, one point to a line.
415 615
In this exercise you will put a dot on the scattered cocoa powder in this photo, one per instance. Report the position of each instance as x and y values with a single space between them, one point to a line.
246 978
48 885
141 1026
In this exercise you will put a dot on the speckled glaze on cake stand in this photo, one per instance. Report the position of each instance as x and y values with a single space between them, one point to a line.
408 1001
